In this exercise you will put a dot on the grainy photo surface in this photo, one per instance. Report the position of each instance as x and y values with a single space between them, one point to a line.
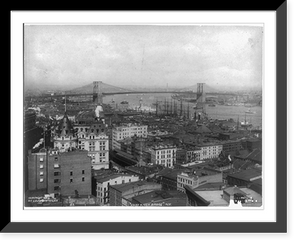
143 115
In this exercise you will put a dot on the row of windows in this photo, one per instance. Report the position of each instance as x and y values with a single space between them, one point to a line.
187 181
164 156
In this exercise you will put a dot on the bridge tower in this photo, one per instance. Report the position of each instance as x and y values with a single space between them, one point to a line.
97 92
200 101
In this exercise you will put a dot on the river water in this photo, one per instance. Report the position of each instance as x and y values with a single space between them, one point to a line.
218 112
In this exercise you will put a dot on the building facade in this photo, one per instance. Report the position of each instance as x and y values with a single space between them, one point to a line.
231 146
127 131
204 152
93 138
103 183
164 155
60 173
193 180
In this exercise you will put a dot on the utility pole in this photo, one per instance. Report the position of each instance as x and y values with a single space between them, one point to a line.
65 103
166 108
175 108
188 111
156 108
181 108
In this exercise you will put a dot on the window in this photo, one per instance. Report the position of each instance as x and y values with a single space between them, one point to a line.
71 180
71 173
41 159
56 165
82 171
41 180
56 187
82 179
56 180
41 173
56 173
41 166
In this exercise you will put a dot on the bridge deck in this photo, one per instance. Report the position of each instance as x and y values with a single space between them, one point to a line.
129 92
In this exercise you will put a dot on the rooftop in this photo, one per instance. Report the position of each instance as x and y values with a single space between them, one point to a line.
215 197
162 198
234 190
255 199
255 155
104 178
132 185
247 175
210 186
145 170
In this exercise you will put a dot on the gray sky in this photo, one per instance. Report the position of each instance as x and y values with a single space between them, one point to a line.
141 55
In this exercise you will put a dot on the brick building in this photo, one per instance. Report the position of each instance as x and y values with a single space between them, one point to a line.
61 173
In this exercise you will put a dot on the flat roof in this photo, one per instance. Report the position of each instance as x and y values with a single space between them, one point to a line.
215 197
247 175
101 179
128 186
161 195
256 198
216 185
234 190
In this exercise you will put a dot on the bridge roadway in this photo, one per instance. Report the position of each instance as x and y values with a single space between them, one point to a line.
125 93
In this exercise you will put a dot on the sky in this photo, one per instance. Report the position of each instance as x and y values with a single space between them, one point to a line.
70 56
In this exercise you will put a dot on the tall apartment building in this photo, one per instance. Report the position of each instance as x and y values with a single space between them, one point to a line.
127 131
204 152
62 173
103 183
93 138
164 155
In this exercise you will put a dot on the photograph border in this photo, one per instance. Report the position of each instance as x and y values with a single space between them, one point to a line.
280 226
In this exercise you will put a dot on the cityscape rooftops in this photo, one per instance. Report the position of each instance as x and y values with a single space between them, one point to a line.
132 185
234 190
104 178
162 147
161 198
214 197
247 175
210 186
